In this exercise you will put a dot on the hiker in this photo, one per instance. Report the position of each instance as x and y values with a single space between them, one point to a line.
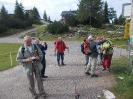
45 46
42 48
59 49
82 50
29 55
100 52
55 53
107 48
86 48
93 56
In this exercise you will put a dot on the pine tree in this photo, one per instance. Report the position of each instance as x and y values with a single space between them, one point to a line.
106 19
4 16
116 21
35 13
121 20
49 19
19 11
111 14
45 16
90 11
71 20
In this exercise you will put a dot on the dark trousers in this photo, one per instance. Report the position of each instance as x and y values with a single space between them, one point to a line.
44 67
60 55
107 57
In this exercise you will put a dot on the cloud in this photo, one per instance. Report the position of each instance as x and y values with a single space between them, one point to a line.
117 4
54 8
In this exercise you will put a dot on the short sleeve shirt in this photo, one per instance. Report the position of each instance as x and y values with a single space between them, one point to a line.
107 44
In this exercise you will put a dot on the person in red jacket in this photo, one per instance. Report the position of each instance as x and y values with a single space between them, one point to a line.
60 47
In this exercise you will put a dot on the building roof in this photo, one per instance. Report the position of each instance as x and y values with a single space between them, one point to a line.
69 12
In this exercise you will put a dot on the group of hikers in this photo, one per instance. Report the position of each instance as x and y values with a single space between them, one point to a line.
32 57
100 49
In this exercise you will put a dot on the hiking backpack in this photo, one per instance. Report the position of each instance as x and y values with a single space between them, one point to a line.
87 50
82 48
23 49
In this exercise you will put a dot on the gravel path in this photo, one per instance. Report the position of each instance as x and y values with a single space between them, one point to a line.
60 81
15 38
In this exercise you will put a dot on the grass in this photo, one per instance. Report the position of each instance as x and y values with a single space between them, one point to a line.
11 32
124 87
40 32
5 50
15 31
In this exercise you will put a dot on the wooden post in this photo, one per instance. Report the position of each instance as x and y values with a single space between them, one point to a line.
11 58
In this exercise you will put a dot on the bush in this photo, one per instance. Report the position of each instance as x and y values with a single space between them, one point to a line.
71 21
3 28
57 27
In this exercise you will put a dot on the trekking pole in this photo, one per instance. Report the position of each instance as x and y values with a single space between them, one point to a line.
54 53
68 50
119 27
75 91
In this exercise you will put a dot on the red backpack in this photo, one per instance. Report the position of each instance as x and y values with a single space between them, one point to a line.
87 49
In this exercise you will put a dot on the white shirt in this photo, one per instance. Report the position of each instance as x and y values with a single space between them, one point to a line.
30 48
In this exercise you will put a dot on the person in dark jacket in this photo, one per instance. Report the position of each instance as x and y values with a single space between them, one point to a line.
86 45
42 48
100 52
93 56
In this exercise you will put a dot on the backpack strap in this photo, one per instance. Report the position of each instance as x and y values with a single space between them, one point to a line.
109 43
36 48
23 50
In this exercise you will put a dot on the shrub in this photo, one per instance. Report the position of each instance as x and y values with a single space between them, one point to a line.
71 21
57 27
3 28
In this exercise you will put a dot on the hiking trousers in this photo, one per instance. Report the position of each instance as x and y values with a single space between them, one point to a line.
87 59
44 67
107 57
32 82
91 65
60 55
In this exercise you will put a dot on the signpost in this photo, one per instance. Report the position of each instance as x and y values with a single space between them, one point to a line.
127 12
131 24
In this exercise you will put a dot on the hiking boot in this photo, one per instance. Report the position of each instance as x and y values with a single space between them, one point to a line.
44 76
34 96
63 63
94 75
58 63
108 69
87 73
104 69
43 95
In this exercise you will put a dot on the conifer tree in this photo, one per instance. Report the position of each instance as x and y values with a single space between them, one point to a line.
45 16
106 18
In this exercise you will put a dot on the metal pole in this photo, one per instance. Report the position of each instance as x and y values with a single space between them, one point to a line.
119 27
75 91
121 51
132 65
128 62
11 58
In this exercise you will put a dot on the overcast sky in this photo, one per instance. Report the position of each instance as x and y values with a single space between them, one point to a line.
54 8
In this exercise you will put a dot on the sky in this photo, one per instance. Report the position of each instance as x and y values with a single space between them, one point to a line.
54 8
